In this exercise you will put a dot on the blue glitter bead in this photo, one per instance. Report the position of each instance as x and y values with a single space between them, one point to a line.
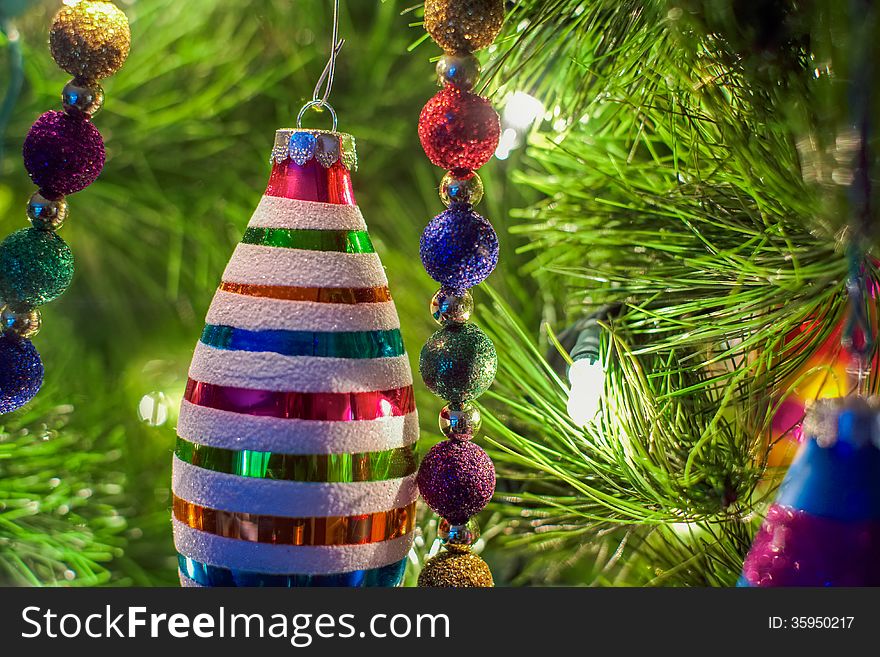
21 372
302 147
459 248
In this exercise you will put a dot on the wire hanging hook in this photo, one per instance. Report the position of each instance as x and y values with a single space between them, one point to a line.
319 99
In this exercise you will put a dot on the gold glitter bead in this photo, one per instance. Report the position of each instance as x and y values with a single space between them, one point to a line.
456 570
463 25
90 40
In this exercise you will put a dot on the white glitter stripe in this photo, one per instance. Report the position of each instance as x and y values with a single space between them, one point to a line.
278 212
283 559
260 314
268 265
295 499
211 426
261 370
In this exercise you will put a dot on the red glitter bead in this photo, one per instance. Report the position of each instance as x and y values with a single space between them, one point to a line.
459 129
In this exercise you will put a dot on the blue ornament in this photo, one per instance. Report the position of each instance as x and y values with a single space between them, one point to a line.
302 147
459 248
21 372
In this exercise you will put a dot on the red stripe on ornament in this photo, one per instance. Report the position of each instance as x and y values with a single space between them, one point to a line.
327 406
311 182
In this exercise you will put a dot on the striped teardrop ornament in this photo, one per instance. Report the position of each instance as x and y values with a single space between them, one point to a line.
295 458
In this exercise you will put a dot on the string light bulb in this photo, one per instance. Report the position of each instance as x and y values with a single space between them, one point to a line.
587 379
586 375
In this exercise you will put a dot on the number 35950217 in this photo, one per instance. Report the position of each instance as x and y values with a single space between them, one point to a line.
811 622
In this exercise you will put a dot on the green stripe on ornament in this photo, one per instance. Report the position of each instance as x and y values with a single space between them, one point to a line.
325 468
345 241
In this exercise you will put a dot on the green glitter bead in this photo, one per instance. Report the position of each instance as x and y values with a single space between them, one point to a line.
36 266
458 362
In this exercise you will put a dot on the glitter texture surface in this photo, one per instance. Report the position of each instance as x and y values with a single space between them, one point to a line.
90 40
458 362
301 147
456 479
463 25
459 248
21 372
63 154
459 129
794 548
456 570
36 266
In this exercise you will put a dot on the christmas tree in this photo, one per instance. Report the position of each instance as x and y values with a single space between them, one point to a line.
671 192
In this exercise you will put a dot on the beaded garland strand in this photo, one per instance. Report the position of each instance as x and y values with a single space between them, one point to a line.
63 153
459 131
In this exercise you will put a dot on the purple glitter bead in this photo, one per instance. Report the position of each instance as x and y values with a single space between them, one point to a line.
459 248
63 154
456 478
21 372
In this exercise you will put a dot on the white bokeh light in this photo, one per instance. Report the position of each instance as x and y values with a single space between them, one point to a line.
153 409
521 110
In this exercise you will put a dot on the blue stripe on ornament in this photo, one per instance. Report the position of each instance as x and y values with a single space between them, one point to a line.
342 344
207 575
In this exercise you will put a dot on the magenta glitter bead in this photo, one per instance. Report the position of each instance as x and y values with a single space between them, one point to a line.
456 479
63 154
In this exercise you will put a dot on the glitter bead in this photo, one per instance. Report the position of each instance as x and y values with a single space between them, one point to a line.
82 99
458 538
459 248
21 372
458 362
90 40
460 421
458 69
63 154
47 213
449 307
36 266
327 149
456 479
461 188
23 323
302 147
456 570
459 129
463 25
